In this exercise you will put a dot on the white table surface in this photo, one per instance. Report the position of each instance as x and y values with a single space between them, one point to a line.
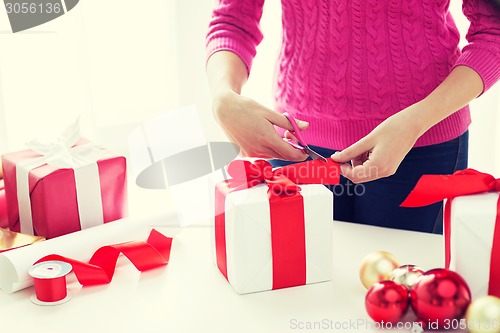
190 295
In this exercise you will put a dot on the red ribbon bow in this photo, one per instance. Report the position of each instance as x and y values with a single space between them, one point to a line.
434 188
287 211
247 174
285 180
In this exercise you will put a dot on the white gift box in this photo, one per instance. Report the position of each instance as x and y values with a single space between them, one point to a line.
249 254
473 219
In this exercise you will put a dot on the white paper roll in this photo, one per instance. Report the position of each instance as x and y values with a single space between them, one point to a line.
80 245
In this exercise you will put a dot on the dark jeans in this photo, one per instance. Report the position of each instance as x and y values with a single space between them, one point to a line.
377 202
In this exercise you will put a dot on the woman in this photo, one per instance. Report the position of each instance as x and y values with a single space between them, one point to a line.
380 84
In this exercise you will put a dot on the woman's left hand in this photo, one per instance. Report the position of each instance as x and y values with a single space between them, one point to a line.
380 153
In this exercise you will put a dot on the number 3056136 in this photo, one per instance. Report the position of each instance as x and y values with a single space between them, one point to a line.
33 8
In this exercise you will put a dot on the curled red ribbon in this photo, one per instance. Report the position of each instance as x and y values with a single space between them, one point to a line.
434 188
100 269
287 211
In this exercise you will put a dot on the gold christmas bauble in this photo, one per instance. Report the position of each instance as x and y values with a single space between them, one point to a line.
377 266
407 275
483 315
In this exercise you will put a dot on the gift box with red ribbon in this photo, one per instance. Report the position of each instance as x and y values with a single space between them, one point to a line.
471 224
64 186
271 233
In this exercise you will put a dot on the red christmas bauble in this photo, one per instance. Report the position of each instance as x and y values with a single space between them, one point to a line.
386 301
439 297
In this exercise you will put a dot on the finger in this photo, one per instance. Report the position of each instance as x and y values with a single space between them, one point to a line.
352 152
288 152
357 161
274 147
361 173
290 136
281 121
280 156
302 124
267 149
361 159
261 152
264 153
268 153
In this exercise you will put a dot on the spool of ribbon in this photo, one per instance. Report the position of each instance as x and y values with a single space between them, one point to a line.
434 188
155 252
50 282
62 153
286 207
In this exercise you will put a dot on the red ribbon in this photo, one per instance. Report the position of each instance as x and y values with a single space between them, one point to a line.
153 253
287 211
434 188
50 290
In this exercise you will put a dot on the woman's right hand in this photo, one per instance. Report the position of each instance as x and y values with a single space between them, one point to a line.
249 125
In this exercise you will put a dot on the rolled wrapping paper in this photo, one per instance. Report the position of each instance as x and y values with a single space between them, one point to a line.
80 245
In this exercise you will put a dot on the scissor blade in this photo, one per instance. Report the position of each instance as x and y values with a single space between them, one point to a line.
314 155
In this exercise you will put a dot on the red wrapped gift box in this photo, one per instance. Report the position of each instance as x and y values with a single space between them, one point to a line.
53 191
3 206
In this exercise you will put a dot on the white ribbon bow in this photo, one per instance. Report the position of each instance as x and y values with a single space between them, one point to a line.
62 153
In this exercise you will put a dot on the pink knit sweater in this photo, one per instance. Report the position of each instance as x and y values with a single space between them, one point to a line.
346 65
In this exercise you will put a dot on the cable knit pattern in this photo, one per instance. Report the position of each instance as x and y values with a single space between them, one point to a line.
336 74
377 58
346 65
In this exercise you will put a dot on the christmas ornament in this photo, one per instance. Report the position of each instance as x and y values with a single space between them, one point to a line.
377 266
439 297
483 315
407 275
387 301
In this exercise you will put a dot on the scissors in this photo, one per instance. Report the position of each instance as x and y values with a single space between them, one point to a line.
302 143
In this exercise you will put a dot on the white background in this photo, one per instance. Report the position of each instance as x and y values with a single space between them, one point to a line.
119 62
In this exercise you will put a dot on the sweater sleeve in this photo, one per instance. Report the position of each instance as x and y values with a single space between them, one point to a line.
483 51
235 27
